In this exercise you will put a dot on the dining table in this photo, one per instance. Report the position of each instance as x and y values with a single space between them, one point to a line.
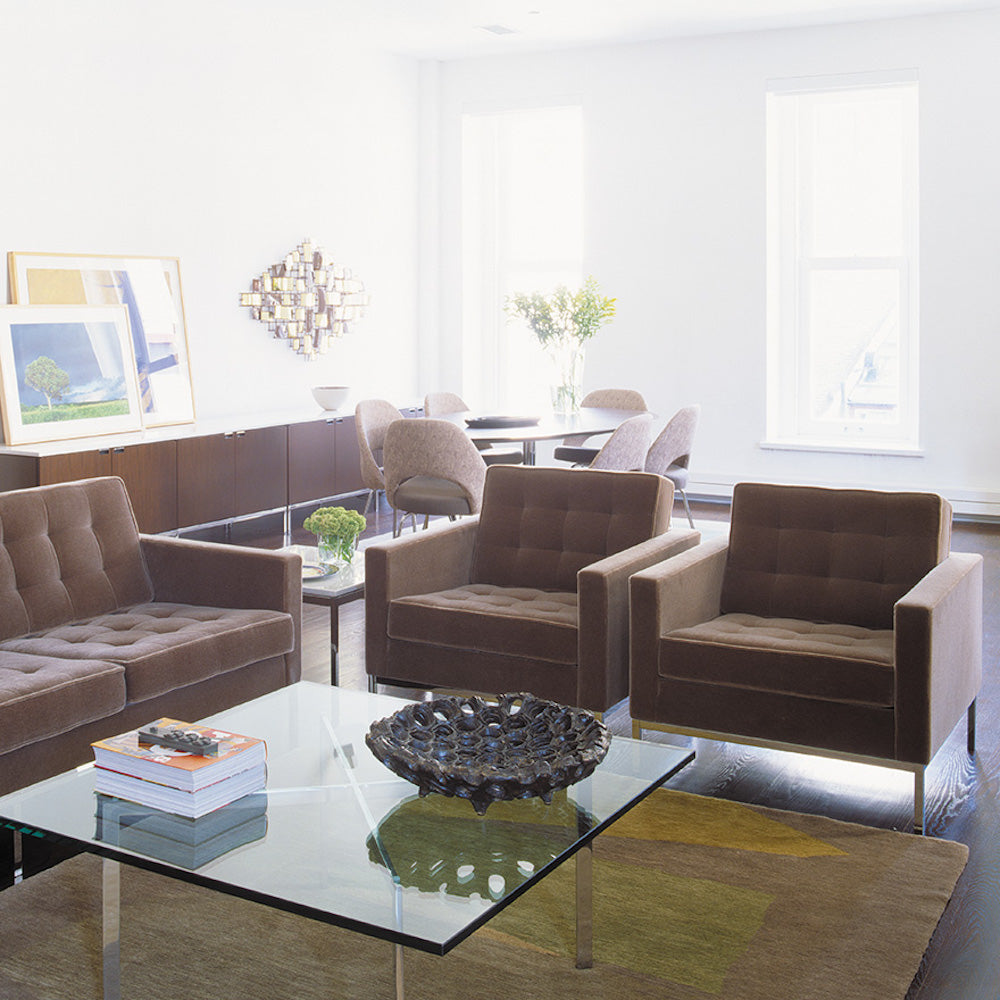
528 429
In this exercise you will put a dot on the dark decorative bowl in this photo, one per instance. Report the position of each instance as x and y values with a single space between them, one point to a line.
520 747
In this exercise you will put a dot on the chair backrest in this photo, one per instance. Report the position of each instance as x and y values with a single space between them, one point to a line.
625 450
615 399
608 399
672 446
830 555
436 448
437 403
371 418
540 526
68 551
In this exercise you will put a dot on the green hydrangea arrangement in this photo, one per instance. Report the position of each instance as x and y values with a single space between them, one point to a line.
336 530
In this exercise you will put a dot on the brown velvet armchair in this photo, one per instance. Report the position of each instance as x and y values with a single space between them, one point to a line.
530 596
834 621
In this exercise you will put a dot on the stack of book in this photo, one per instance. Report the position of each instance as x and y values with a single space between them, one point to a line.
180 840
180 781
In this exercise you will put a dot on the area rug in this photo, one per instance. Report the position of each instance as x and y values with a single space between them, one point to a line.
695 898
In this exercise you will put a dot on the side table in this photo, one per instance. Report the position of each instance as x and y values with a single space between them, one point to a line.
345 585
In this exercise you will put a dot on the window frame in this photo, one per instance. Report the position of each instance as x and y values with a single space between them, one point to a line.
790 422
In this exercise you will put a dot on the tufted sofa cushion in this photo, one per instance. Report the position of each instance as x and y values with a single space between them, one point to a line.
42 697
519 621
164 646
66 554
835 662
830 555
539 526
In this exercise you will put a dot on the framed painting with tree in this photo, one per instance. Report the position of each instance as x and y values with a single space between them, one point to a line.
150 288
66 372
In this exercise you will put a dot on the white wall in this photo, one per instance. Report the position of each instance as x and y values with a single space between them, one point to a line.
675 230
222 133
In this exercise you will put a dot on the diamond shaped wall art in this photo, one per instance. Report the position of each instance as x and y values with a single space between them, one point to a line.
306 299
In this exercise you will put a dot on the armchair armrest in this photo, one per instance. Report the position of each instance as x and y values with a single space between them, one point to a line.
412 564
603 592
678 593
185 571
938 654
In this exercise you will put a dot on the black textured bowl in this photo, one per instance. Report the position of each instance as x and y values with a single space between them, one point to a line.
467 747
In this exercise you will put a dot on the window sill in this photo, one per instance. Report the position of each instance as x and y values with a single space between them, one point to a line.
844 448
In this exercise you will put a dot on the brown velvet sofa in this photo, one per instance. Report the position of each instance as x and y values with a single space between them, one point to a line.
831 620
532 595
103 629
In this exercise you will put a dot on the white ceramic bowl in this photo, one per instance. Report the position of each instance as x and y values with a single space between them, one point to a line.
330 397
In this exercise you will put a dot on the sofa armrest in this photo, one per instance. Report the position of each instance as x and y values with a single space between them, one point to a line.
421 563
678 593
602 589
938 654
185 571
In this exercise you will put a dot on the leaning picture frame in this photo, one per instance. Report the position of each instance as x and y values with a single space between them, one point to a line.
66 372
150 288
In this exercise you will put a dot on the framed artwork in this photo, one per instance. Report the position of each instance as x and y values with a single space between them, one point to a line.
150 288
66 372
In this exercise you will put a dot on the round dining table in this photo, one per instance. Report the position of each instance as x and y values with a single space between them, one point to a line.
529 429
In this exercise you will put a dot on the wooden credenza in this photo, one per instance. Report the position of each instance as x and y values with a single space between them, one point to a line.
194 475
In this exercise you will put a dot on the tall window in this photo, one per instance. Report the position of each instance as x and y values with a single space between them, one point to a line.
522 231
842 261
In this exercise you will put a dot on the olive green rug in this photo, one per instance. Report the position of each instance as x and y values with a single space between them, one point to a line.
695 898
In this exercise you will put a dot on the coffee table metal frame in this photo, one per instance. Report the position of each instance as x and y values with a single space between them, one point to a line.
328 799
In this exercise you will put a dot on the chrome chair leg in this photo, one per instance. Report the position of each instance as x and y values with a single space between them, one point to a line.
687 509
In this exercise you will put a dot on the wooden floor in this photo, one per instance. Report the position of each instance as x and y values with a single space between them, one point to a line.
963 793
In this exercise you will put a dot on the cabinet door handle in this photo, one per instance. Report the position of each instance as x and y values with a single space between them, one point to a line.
119 451
228 434
240 434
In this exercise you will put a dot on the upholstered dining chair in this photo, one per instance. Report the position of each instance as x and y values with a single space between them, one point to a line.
625 450
437 404
371 420
607 399
832 621
530 596
430 467
670 454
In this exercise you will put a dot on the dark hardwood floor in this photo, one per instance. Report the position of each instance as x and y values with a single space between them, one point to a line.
963 792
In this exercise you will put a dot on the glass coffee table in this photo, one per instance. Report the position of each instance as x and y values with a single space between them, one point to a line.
347 842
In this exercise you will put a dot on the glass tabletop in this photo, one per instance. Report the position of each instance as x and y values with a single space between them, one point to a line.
338 837
344 580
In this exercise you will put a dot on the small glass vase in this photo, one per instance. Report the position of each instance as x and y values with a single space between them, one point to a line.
567 386
335 553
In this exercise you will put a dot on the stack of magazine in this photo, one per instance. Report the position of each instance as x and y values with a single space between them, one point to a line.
176 780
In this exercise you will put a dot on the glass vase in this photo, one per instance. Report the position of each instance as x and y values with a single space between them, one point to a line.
335 553
567 385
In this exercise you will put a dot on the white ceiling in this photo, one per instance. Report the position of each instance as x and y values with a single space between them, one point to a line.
450 29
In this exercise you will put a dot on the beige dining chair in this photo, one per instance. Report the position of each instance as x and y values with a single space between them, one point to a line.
437 404
372 418
626 449
670 454
574 448
430 467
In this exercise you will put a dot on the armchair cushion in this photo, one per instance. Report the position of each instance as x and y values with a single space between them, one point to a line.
539 527
836 662
519 621
830 555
